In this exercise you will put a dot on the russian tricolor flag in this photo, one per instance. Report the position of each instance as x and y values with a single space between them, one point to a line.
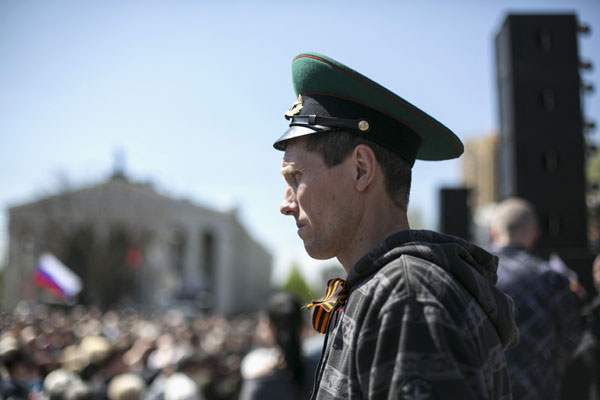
56 277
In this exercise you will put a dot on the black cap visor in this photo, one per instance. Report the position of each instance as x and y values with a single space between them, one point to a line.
295 131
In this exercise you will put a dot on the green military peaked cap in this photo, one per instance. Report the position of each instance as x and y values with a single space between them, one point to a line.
332 96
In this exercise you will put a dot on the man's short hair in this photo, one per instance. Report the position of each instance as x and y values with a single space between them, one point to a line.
335 146
515 219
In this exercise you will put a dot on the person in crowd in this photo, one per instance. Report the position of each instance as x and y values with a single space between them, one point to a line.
280 371
58 382
79 390
583 373
418 315
546 309
179 386
23 379
126 387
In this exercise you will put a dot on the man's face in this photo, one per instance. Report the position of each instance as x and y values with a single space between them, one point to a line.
319 199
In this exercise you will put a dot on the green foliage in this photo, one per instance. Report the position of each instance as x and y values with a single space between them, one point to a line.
297 285
415 218
593 169
2 269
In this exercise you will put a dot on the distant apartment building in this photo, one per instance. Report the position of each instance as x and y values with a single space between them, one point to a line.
480 175
132 245
479 163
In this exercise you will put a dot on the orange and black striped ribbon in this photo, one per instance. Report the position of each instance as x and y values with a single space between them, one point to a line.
324 309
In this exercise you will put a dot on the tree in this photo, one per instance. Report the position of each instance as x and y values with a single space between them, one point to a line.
2 269
593 169
415 218
296 284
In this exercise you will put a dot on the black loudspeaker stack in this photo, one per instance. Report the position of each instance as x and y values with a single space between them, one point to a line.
541 125
455 216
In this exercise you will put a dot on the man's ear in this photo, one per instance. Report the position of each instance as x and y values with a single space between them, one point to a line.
365 164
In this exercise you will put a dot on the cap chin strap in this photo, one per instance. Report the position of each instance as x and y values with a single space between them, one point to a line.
361 125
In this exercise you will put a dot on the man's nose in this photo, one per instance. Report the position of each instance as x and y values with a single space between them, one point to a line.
288 206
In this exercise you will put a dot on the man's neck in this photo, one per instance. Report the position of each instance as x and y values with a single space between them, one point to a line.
377 224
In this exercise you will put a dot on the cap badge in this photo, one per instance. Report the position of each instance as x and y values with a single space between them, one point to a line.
295 108
363 125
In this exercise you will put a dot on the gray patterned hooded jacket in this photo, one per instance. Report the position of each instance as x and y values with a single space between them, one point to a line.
423 321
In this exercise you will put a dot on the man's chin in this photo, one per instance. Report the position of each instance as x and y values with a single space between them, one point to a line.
317 252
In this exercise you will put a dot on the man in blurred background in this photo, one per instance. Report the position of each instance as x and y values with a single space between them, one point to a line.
546 309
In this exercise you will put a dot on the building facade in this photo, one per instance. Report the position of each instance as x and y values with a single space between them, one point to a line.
479 169
480 175
132 245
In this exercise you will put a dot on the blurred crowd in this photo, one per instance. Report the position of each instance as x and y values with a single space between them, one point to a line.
80 354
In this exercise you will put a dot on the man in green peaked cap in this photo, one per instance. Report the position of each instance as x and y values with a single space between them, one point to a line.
418 315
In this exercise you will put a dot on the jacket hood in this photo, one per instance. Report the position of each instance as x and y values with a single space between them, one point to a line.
471 266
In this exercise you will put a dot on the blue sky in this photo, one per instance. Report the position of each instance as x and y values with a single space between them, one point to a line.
193 92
